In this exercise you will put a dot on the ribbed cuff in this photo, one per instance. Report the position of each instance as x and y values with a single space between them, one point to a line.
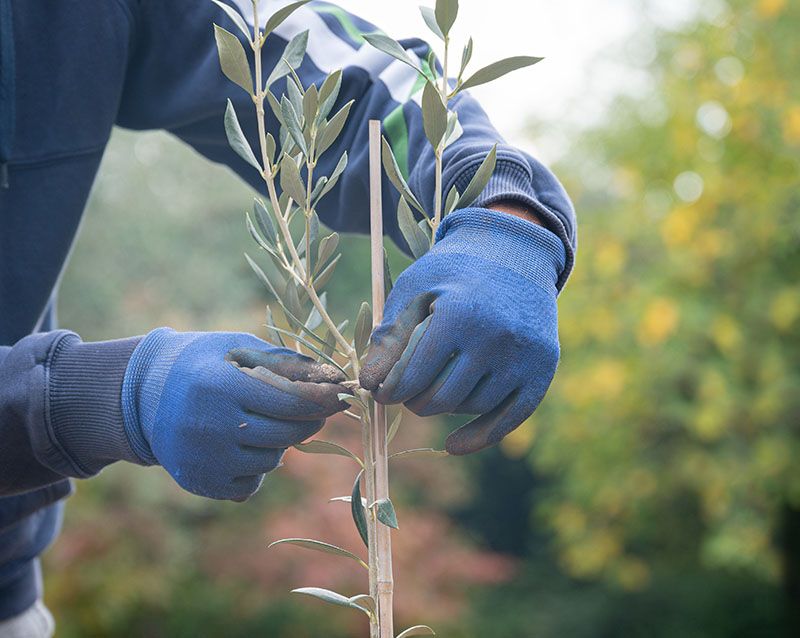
84 405
513 181
512 242
21 591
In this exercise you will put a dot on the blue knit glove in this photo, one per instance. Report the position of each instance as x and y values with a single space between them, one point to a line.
471 327
218 410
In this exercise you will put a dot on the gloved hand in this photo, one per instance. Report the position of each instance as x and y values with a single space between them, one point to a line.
218 410
471 327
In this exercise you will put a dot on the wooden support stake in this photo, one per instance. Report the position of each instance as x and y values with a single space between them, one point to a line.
385 584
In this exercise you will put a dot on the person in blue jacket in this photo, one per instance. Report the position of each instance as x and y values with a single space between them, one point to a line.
69 72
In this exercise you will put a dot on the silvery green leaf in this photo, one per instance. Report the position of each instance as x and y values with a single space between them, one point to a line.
337 173
291 299
384 511
313 232
479 180
391 47
326 447
363 328
351 400
388 284
264 221
430 71
346 499
277 18
291 59
292 123
394 427
426 452
434 115
417 630
417 240
318 188
319 546
498 69
314 319
232 59
466 56
262 276
450 202
333 128
271 147
236 138
430 19
357 510
275 106
310 346
365 601
273 336
310 105
255 235
295 94
328 93
235 17
396 176
452 123
291 182
328 596
330 343
324 277
446 13
327 246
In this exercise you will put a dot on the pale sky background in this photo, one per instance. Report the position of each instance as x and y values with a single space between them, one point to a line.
588 47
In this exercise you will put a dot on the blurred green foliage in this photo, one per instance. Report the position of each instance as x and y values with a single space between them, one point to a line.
655 493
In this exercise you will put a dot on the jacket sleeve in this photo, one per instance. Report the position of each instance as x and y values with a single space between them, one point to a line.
175 83
60 413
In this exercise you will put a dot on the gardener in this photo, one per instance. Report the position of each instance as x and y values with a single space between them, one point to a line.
217 410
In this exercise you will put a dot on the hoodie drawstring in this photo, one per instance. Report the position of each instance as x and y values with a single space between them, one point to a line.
7 89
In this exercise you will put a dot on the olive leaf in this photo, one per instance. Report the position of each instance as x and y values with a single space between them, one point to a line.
335 175
254 233
273 335
310 346
424 452
319 546
395 176
418 242
328 93
310 105
429 16
325 276
291 59
358 511
434 115
262 276
446 13
236 138
232 59
466 56
384 511
329 596
291 120
363 328
264 221
326 447
394 427
391 47
294 92
388 284
417 630
291 181
498 69
451 201
277 18
235 17
332 130
366 601
327 246
479 180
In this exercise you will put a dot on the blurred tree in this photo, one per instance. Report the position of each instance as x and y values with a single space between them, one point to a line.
673 423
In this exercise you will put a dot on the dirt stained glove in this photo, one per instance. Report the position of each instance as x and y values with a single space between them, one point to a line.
218 410
472 327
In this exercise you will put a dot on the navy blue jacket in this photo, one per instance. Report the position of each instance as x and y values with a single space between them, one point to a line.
71 70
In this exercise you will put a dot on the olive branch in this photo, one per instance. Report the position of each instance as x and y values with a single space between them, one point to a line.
304 262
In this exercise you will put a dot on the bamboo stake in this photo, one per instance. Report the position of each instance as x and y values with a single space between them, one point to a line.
385 584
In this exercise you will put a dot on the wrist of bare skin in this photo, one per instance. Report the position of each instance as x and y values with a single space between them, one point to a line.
518 209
